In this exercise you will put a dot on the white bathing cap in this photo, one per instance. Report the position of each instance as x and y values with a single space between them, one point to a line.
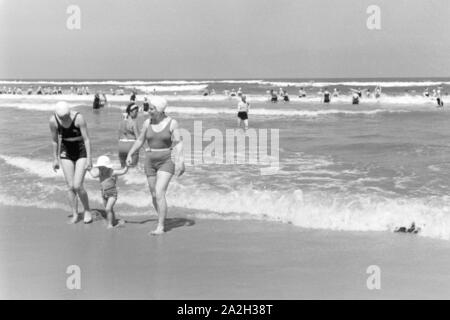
159 103
62 109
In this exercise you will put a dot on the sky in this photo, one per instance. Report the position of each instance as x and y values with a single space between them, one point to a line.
217 39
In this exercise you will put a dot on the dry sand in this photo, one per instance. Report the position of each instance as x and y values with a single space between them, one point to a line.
211 259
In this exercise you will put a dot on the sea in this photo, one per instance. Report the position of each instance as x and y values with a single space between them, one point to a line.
380 165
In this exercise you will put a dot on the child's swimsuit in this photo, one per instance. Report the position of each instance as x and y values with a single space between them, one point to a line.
109 189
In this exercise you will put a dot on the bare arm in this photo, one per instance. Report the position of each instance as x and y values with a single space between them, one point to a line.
140 140
94 172
87 142
135 128
178 146
54 133
119 172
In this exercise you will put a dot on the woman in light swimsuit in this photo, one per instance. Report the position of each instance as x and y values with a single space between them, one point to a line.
72 149
162 135
128 133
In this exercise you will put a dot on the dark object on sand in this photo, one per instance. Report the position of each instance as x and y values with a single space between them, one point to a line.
411 229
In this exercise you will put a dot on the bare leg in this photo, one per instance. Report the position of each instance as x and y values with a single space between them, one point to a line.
68 168
78 179
162 182
246 124
109 208
152 186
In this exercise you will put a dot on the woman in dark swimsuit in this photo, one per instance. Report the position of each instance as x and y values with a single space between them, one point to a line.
72 149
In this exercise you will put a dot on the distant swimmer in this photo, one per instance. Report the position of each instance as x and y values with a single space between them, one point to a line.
368 93
239 93
133 96
60 90
103 170
128 133
72 150
103 100
162 135
335 93
243 109
96 103
326 96
285 96
39 90
377 92
355 98
145 105
426 93
439 101
301 93
30 90
233 93
273 96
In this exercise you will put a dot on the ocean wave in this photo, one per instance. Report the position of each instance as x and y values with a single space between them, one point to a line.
160 88
275 83
352 211
383 84
384 100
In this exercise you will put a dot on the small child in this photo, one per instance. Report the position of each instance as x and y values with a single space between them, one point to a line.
108 177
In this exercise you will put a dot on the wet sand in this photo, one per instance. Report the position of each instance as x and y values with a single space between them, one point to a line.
211 259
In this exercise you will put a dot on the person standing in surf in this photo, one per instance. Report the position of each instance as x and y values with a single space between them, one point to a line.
243 108
72 150
128 133
162 135
326 96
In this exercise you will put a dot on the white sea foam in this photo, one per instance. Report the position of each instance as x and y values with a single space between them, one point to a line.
36 167
175 88
276 83
356 211
275 112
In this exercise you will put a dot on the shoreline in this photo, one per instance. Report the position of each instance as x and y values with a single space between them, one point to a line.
211 259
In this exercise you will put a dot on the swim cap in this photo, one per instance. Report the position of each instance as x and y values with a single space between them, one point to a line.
159 103
62 109
131 106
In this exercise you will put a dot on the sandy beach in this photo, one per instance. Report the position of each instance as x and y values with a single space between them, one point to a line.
211 259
